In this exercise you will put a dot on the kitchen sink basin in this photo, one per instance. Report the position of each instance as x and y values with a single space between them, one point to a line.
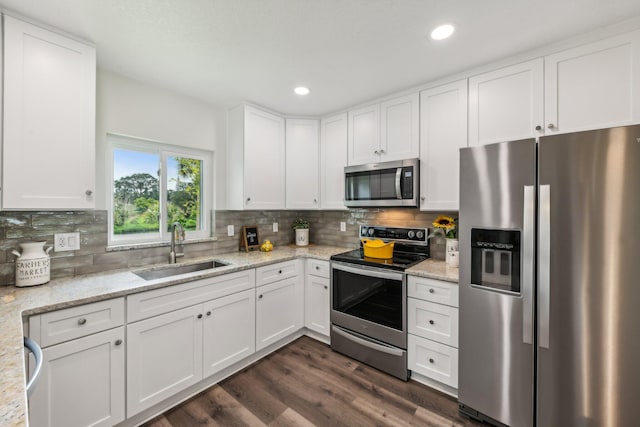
175 269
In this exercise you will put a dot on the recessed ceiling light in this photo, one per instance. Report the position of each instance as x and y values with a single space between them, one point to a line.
301 90
442 32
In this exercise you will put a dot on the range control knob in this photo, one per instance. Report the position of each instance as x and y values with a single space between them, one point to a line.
371 231
411 234
420 235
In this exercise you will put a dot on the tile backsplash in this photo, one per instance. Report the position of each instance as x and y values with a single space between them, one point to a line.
95 256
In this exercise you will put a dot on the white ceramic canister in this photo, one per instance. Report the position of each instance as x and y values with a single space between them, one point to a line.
33 264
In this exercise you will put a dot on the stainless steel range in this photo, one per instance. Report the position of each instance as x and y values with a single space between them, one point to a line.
369 299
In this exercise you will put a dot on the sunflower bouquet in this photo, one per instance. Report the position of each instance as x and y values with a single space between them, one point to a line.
444 227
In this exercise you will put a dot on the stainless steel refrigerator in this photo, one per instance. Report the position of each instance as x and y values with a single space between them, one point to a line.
550 280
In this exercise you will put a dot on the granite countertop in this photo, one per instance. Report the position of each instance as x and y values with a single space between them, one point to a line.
17 303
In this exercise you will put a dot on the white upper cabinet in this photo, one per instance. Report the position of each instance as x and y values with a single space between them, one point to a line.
256 154
364 135
593 86
302 164
506 104
400 128
385 132
49 119
443 131
333 159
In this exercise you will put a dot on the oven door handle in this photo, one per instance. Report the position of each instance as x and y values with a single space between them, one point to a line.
363 271
366 343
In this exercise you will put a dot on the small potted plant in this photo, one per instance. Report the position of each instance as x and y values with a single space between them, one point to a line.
302 231
446 227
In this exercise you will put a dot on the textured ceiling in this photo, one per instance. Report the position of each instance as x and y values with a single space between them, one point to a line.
346 51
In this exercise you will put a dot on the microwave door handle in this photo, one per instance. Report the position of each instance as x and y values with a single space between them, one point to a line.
398 180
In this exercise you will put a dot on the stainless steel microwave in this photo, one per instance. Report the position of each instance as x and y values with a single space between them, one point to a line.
382 184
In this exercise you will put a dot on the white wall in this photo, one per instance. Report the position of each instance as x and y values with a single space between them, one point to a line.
129 107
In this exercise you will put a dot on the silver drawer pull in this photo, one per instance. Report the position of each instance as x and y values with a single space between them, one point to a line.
118 342
431 290
326 287
431 360
82 321
431 322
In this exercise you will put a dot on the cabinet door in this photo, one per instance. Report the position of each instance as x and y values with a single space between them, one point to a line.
316 307
229 330
364 135
593 86
506 104
164 356
49 119
302 164
81 383
400 128
264 160
443 124
279 308
333 159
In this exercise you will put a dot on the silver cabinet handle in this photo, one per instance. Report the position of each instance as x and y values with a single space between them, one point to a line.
431 322
199 316
118 342
431 290
528 236
544 263
260 296
88 192
82 321
381 151
326 287
431 360
37 354
538 128
551 126
376 152
248 199
208 313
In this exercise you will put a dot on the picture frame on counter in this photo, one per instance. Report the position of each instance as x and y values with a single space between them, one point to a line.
250 238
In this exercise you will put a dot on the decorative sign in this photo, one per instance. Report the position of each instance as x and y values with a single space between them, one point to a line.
250 238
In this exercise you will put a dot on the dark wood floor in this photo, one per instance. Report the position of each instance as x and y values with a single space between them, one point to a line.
307 384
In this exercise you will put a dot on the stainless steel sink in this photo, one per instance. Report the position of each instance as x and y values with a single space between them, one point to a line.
174 270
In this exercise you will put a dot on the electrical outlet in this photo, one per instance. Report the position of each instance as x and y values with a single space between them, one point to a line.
230 231
66 242
343 226
275 227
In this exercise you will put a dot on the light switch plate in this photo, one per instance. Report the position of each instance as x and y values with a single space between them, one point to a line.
66 242
343 226
230 231
275 227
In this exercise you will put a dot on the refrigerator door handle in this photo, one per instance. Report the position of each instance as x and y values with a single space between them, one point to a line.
528 237
544 297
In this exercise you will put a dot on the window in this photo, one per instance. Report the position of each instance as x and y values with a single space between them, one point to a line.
154 185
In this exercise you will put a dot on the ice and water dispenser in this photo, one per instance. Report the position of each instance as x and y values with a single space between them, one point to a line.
495 259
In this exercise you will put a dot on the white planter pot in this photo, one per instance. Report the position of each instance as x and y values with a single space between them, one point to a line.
302 237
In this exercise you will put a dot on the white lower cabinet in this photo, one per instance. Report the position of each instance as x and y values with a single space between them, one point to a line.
164 356
316 295
432 341
229 330
279 308
82 382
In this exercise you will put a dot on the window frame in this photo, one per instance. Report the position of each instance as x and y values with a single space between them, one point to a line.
163 151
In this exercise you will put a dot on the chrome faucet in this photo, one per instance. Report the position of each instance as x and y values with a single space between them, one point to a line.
176 228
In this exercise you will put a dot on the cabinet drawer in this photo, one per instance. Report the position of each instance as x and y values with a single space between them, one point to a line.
74 322
433 360
275 272
159 301
317 267
433 290
433 321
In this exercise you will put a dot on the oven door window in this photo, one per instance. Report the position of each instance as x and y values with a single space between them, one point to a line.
369 298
